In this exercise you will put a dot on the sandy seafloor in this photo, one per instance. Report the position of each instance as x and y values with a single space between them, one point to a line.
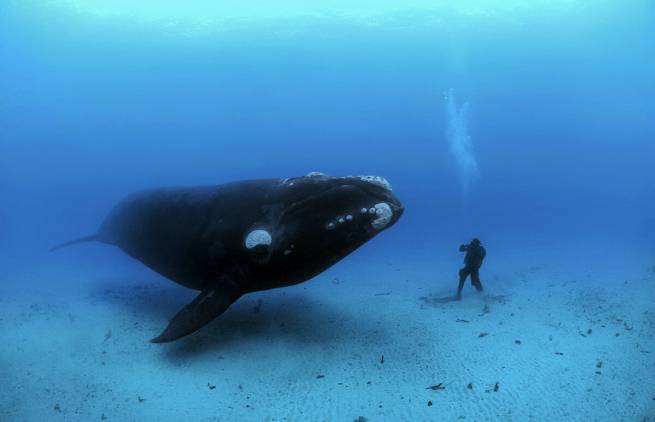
363 341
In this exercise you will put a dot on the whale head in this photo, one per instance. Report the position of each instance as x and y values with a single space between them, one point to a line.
322 219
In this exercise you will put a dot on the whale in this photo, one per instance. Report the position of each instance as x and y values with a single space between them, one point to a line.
240 237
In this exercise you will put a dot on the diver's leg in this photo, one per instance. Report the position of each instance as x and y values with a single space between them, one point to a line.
463 273
475 279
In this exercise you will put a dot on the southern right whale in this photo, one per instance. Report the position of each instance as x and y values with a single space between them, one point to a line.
246 236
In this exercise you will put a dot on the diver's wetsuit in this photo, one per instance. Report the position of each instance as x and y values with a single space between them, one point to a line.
475 254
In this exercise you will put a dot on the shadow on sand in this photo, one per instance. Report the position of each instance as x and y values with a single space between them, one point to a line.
289 316
435 300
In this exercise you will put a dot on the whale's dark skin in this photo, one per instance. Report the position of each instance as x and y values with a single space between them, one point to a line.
241 237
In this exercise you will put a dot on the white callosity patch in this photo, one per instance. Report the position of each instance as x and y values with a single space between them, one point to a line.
315 174
383 215
340 220
258 237
376 180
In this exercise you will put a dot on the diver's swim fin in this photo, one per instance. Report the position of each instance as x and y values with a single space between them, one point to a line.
91 238
209 304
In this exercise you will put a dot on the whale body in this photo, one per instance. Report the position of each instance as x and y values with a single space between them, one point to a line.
246 236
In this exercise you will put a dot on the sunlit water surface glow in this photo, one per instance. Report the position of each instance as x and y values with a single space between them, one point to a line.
204 16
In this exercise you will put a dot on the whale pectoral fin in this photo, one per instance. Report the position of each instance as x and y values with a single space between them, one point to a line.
209 304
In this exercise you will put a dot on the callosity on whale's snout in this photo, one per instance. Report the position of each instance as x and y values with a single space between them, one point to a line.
246 236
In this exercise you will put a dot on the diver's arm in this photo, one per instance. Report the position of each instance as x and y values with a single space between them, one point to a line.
463 248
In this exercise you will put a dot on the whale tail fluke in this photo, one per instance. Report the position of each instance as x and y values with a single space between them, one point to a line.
91 238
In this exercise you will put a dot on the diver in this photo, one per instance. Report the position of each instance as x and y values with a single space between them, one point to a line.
475 254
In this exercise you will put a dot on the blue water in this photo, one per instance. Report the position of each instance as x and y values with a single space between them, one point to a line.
530 127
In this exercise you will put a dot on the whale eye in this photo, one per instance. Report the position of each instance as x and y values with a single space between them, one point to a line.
258 238
383 215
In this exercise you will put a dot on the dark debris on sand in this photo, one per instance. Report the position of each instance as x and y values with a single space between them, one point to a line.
494 388
436 387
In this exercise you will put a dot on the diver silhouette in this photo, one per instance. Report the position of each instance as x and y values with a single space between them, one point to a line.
475 254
